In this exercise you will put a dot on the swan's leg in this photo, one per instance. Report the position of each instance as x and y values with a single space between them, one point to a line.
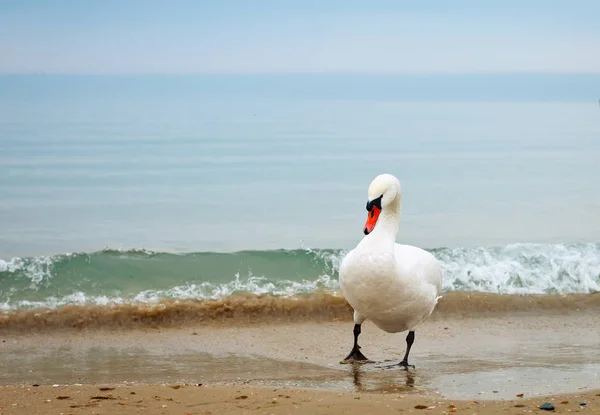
410 339
355 354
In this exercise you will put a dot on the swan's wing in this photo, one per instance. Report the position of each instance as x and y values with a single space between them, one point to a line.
419 264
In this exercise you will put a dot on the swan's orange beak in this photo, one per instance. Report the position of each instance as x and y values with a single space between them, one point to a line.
371 219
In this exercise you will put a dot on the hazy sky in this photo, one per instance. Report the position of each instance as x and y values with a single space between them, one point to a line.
387 36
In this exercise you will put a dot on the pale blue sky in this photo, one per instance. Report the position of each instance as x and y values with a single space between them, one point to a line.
351 36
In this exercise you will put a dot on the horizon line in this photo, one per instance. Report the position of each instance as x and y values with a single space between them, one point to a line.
303 73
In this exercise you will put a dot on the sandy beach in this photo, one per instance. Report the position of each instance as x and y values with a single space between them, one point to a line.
489 358
177 399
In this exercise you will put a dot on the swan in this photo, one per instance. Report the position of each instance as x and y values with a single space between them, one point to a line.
394 286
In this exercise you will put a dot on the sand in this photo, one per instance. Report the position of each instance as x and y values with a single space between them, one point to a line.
153 399
543 355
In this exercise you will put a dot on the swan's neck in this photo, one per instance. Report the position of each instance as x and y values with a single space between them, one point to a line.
388 223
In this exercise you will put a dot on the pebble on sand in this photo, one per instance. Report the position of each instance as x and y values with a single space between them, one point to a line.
547 406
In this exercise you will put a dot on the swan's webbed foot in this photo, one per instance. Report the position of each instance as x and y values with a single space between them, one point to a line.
403 364
356 356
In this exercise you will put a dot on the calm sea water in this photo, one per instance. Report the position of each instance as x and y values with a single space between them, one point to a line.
197 174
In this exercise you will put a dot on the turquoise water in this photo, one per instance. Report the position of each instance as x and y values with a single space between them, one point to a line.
87 169
139 276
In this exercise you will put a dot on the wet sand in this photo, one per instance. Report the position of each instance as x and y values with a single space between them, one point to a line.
527 350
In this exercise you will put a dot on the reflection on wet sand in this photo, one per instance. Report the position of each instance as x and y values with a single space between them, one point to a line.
402 380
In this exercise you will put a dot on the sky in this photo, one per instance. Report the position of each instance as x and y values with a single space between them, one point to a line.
304 36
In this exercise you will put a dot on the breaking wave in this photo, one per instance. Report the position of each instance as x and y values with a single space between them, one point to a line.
115 277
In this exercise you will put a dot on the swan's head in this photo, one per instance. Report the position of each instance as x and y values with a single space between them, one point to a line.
383 190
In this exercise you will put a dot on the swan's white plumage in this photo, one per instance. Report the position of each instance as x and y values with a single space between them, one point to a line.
395 286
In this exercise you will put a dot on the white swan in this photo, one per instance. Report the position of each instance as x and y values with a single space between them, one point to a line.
395 286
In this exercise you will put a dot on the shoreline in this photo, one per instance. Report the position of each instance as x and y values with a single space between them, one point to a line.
250 310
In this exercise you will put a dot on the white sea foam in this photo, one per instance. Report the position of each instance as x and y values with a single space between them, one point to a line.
523 268
511 269
35 269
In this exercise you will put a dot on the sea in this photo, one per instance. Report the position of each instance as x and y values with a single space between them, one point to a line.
152 190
